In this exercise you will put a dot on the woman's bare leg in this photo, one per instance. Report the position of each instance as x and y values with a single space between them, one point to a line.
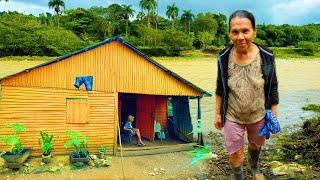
236 160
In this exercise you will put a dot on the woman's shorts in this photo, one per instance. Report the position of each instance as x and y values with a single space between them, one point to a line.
234 135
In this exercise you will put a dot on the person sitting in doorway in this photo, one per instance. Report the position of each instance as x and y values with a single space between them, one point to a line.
133 131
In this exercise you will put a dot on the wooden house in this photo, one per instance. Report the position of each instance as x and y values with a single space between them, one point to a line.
125 81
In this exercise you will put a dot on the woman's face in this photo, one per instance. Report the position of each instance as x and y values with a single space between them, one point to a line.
241 33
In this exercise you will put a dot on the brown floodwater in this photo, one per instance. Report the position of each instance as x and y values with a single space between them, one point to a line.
299 84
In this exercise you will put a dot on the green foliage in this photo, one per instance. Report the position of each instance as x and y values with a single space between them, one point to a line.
159 51
86 25
213 49
312 107
308 48
291 52
82 27
205 22
13 140
47 142
177 40
260 41
312 125
79 144
205 38
103 149
20 32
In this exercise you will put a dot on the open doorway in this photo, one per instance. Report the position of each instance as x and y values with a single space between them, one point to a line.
127 106
152 111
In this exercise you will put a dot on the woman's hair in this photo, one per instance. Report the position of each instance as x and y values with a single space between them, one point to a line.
243 14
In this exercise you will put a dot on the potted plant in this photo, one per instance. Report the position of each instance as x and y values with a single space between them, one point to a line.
80 153
102 151
18 154
46 146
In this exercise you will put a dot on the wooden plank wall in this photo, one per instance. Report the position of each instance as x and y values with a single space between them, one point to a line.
109 63
161 111
45 109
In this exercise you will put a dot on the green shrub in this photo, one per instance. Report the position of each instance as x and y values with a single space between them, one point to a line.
307 48
103 149
312 107
13 140
213 49
79 145
47 142
159 51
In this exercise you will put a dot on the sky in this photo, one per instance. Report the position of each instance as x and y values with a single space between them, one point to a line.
294 12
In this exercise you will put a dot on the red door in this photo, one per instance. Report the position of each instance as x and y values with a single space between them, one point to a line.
145 115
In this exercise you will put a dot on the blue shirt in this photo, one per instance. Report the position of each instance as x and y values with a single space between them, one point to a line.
128 125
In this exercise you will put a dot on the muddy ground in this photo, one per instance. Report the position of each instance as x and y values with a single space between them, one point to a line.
161 166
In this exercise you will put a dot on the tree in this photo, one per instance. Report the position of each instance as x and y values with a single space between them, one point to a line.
87 25
46 18
57 5
140 16
115 19
205 38
172 12
127 13
149 5
204 22
5 0
187 17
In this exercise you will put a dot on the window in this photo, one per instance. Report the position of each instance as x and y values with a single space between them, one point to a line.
77 110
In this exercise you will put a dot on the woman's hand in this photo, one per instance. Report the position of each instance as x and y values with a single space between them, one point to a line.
218 122
274 109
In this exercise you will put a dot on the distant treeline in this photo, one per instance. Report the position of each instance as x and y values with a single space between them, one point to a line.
54 35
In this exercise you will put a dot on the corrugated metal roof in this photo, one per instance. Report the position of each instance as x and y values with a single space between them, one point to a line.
119 39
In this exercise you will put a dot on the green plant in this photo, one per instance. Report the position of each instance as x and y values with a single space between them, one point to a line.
79 144
13 140
47 142
312 107
308 48
103 149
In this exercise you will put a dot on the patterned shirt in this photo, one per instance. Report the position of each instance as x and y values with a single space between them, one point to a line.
246 97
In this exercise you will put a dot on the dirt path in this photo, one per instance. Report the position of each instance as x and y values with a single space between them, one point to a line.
161 166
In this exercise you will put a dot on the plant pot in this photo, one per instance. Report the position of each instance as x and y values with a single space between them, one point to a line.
46 158
74 158
101 155
16 161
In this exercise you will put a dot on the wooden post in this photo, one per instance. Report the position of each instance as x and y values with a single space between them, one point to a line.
199 123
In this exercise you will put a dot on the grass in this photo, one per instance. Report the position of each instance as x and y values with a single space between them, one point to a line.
26 58
280 52
312 107
290 52
14 64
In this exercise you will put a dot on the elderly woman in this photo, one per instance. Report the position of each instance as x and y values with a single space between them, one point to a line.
246 85
133 131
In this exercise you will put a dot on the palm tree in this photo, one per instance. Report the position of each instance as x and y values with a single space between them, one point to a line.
5 0
57 5
172 12
149 5
127 12
140 16
187 17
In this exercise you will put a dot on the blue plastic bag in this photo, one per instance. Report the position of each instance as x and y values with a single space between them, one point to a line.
271 124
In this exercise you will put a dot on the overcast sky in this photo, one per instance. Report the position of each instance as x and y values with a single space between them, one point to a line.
295 12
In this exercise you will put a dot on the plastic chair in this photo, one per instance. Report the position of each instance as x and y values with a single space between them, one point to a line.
157 130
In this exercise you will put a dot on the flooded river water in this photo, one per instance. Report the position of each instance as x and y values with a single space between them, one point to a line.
299 84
